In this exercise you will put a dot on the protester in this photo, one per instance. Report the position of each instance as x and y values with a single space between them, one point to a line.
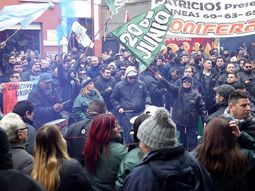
105 84
133 157
45 100
25 110
188 106
77 133
103 153
87 94
17 135
166 165
129 98
12 179
53 167
239 110
221 98
221 155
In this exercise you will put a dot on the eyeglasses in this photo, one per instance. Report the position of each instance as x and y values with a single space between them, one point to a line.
186 81
82 74
16 77
22 129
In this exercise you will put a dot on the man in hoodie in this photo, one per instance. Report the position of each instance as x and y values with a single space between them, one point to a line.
129 98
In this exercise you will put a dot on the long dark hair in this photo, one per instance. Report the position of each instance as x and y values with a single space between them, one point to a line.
219 151
100 135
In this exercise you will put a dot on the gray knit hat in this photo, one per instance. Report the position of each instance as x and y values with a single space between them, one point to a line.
158 131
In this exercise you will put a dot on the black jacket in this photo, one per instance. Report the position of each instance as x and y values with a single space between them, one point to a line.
167 162
101 85
43 105
187 106
130 96
73 177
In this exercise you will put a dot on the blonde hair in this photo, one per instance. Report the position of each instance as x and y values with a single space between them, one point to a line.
50 148
85 91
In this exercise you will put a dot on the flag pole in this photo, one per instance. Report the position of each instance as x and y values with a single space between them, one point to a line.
92 40
13 34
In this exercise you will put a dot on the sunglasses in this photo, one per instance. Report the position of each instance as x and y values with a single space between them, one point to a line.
132 77
186 81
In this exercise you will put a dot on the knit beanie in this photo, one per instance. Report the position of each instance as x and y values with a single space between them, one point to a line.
158 130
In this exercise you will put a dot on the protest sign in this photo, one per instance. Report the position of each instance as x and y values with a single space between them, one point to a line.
144 34
81 35
14 92
211 19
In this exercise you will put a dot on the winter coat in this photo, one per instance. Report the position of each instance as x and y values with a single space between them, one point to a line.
128 163
43 105
130 96
156 92
219 110
101 85
76 136
81 104
187 107
30 136
73 177
21 159
158 164
106 173
12 179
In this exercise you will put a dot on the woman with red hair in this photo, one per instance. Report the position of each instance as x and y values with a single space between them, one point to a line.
103 152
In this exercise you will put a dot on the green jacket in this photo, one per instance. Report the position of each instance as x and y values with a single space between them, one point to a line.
133 158
81 104
106 173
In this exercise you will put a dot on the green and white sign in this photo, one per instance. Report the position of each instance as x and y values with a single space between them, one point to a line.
144 34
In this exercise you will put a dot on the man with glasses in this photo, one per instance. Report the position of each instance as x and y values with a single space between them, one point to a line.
129 98
17 135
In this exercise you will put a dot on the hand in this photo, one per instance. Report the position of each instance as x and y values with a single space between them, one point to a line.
109 89
204 126
2 44
158 76
121 110
57 107
235 129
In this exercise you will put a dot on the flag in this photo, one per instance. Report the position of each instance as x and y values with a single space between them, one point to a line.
24 14
144 34
14 92
81 35
115 5
126 17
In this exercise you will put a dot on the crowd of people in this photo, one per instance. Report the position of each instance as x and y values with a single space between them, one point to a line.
127 129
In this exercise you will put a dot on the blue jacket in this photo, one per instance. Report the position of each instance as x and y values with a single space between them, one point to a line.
165 162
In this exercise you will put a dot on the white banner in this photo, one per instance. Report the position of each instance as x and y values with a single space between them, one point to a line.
211 19
81 35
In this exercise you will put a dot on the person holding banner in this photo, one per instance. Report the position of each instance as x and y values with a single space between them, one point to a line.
129 98
44 98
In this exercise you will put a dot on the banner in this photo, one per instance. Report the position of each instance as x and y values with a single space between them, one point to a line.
115 5
81 35
24 14
211 19
14 92
144 34
190 44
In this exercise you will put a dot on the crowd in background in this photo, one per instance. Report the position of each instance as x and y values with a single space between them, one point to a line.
101 99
